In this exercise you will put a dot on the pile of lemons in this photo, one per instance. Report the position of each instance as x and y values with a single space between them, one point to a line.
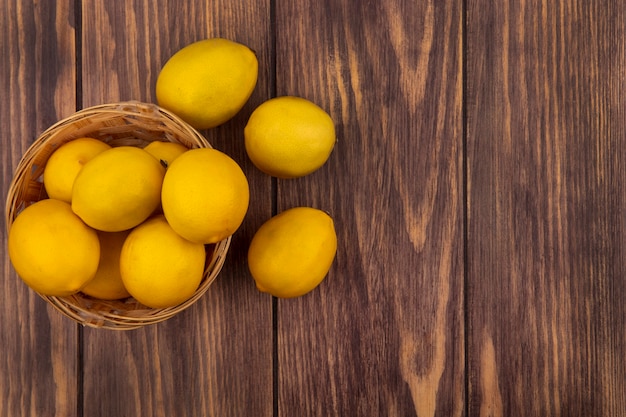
128 221
122 221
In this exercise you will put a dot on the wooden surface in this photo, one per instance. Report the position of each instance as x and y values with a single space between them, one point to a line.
476 185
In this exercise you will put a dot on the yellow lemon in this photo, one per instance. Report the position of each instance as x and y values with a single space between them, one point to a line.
52 250
205 195
159 267
66 162
165 151
107 283
207 82
118 189
292 252
289 137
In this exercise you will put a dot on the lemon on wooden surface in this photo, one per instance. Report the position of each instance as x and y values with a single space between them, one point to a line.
289 137
118 189
291 253
107 283
205 195
159 267
66 162
165 151
207 82
52 250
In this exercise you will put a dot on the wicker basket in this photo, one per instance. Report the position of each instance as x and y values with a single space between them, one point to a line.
127 123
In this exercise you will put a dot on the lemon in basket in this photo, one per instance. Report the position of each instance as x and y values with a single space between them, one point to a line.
291 253
66 162
289 137
118 189
207 82
205 195
52 250
107 284
160 268
165 151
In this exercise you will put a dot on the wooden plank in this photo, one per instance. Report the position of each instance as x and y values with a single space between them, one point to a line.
546 133
383 334
216 357
38 364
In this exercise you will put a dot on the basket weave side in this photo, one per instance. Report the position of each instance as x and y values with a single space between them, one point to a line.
127 123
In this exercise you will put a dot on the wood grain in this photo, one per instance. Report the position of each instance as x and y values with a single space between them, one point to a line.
476 186
216 357
546 233
37 76
383 334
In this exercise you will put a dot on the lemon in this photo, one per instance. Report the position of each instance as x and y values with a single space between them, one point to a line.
66 162
207 82
291 253
165 151
289 137
52 250
107 283
118 189
160 268
205 195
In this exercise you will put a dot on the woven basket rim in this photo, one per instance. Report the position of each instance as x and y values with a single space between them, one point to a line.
146 122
